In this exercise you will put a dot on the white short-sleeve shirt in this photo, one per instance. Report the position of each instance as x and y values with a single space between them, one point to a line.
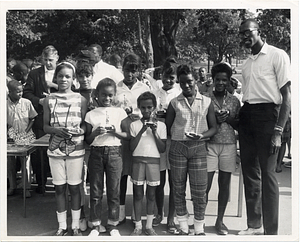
130 95
100 117
264 74
103 70
147 146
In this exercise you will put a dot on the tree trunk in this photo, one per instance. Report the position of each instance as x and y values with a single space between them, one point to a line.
140 36
149 47
163 32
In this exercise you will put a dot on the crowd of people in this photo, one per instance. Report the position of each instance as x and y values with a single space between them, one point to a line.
107 122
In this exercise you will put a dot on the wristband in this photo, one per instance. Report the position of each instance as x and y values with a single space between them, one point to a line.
278 128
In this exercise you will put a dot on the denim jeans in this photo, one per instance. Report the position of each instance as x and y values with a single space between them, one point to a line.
256 128
105 159
189 158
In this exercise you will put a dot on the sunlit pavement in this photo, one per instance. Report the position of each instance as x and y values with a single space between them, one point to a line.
41 217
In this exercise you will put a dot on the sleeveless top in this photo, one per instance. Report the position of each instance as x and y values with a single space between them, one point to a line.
189 118
65 110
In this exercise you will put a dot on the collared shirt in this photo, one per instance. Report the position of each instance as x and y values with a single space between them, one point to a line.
264 74
19 113
164 97
225 133
189 118
128 97
102 70
49 74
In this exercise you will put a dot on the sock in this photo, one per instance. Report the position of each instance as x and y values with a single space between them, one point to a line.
149 221
96 224
183 223
113 223
138 224
75 218
199 226
62 219
122 212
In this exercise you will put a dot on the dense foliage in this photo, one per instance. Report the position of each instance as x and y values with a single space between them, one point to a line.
154 34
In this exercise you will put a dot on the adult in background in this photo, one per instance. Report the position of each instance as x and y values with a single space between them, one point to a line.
38 86
204 83
101 69
267 103
116 61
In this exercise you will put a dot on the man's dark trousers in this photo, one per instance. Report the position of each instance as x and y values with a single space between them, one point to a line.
256 128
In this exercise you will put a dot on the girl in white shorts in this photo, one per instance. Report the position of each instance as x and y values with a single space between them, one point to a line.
64 112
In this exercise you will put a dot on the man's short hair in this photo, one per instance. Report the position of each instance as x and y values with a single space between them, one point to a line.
98 47
251 20
20 68
49 50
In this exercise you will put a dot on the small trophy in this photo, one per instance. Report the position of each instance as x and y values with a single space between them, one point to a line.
161 112
126 107
108 126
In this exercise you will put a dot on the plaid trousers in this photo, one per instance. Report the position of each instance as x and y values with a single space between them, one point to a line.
189 158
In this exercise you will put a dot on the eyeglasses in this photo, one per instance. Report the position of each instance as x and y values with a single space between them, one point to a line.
247 32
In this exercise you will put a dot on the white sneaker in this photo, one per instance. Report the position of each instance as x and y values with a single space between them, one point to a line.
94 233
82 224
252 231
115 233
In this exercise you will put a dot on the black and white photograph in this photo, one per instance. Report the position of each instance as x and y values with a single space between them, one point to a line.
149 120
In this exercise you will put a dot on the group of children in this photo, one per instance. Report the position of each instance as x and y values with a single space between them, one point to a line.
126 126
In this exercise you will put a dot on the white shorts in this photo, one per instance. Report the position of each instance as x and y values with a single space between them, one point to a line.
221 157
66 170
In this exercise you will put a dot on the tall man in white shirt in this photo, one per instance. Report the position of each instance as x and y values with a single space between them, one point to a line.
102 69
267 102
38 85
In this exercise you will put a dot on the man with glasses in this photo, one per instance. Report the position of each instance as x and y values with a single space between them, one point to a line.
266 96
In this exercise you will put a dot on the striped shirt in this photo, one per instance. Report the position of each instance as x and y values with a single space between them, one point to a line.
65 110
189 118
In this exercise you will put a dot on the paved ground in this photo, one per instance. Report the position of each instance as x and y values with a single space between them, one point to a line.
41 222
